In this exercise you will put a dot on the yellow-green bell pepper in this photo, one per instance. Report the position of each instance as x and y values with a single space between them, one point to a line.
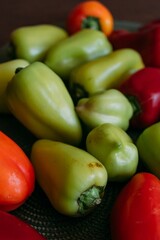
38 98
7 71
114 148
33 42
104 73
148 144
73 180
110 106
79 48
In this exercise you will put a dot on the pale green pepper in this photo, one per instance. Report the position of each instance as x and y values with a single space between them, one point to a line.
114 148
38 98
110 106
73 180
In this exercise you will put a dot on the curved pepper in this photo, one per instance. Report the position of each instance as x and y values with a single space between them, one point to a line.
17 176
148 144
73 180
143 91
38 98
104 73
90 14
136 212
33 42
110 106
115 150
7 71
79 48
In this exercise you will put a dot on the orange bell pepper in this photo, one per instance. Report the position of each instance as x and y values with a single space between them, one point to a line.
17 177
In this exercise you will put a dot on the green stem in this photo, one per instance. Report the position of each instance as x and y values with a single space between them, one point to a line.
91 22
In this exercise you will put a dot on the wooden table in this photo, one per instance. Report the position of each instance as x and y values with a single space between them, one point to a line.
15 13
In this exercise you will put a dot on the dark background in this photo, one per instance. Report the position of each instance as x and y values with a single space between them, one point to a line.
15 13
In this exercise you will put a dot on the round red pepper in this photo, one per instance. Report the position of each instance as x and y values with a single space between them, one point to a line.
90 14
17 178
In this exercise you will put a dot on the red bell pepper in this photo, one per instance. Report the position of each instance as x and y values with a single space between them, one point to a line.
136 212
143 91
146 40
12 227
17 178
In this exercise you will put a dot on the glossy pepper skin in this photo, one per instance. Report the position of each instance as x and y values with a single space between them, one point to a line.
7 71
110 106
17 176
104 73
145 40
148 144
113 147
73 180
79 48
90 14
143 91
38 98
136 211
12 227
33 42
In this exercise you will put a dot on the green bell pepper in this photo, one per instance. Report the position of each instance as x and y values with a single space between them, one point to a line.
73 180
104 73
33 42
38 98
114 148
7 71
148 144
110 106
79 48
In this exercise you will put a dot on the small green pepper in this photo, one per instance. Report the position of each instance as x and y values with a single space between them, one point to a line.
148 144
79 48
114 148
110 106
73 180
7 71
104 73
33 42
38 98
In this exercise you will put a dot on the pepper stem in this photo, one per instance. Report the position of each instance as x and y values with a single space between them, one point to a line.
91 22
89 199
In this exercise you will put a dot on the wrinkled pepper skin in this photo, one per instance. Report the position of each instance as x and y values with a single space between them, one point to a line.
113 147
7 71
17 176
143 92
33 42
73 180
104 73
38 98
148 144
136 211
110 106
79 48
12 227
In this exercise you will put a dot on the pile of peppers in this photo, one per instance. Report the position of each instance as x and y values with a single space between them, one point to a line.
91 98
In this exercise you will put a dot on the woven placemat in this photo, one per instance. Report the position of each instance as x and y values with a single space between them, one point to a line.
38 212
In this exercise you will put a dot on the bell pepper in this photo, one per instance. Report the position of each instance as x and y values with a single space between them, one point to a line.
17 176
79 48
145 40
136 211
104 73
114 148
7 71
33 42
12 227
143 91
72 179
148 144
38 98
90 14
110 106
